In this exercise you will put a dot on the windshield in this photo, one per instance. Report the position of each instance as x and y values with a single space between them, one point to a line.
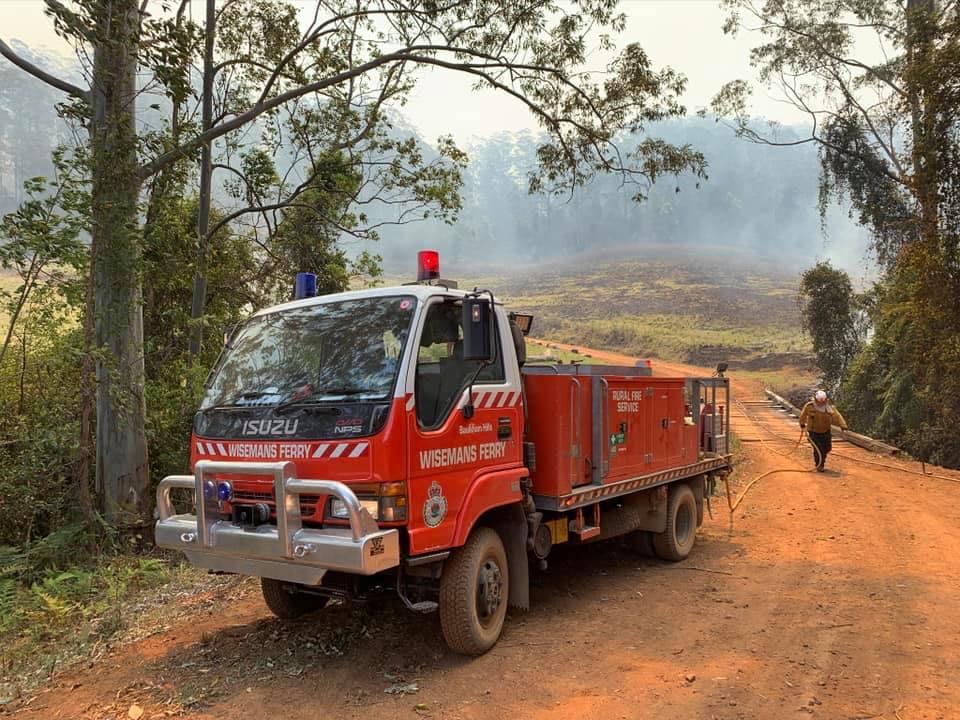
326 352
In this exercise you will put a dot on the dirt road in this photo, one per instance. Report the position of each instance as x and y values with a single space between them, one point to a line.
827 595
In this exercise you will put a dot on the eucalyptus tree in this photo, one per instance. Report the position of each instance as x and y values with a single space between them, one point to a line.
534 51
877 81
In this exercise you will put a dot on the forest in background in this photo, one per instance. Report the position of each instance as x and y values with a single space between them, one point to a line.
758 202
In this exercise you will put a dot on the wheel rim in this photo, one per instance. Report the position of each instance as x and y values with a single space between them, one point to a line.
683 525
489 591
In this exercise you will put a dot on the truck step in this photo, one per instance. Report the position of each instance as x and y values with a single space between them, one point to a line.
587 532
424 606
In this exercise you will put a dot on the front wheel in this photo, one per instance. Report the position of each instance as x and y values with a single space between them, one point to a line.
473 594
676 542
286 602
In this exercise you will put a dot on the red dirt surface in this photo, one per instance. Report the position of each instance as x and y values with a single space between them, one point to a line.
829 595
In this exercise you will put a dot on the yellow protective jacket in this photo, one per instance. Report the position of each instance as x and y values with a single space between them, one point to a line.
819 421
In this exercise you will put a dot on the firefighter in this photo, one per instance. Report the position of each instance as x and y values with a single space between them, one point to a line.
819 414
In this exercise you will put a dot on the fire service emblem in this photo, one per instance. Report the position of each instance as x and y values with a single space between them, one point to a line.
435 508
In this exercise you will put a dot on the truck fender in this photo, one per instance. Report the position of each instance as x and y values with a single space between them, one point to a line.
488 505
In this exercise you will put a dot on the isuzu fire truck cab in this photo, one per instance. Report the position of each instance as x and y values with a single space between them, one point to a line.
397 437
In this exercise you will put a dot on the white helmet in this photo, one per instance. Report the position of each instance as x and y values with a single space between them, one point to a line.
820 396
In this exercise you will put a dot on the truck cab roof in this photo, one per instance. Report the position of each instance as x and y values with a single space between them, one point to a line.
419 291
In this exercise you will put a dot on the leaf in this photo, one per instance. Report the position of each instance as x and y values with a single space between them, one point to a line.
402 689
135 712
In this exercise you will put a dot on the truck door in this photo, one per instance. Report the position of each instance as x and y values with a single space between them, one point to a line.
675 427
449 451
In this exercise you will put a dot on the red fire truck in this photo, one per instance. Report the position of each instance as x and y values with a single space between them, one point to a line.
397 437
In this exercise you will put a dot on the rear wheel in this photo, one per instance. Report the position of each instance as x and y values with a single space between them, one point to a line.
676 542
473 594
286 602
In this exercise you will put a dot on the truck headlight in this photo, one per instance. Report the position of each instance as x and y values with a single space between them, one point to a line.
384 501
339 510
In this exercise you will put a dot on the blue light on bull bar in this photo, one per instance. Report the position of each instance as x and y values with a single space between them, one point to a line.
209 490
224 491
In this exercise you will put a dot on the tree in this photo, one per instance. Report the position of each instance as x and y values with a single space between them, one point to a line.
41 243
830 313
532 50
887 132
875 122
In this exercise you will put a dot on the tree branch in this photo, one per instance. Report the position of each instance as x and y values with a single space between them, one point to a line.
40 74
322 29
849 62
243 118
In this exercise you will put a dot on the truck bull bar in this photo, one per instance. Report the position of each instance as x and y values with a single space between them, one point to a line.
285 551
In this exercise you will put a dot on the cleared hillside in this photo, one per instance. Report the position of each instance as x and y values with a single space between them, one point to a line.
694 309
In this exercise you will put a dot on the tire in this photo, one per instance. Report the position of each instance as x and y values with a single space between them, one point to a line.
676 542
642 543
474 592
286 602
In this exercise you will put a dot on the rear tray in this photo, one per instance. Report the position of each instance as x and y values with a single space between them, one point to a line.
601 426
589 494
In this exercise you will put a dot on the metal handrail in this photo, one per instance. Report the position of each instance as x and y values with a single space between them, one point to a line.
575 413
164 504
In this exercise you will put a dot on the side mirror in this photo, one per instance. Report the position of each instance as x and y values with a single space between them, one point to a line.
477 329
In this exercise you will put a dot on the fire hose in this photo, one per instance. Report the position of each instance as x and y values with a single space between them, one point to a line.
733 505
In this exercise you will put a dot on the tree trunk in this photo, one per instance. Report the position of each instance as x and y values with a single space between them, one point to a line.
122 470
923 118
206 172
88 389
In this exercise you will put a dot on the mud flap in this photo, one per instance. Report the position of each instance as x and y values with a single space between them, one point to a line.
697 485
510 522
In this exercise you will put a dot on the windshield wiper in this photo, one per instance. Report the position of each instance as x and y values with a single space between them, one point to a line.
306 399
235 405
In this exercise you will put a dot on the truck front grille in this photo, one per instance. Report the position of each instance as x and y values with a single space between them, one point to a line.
310 505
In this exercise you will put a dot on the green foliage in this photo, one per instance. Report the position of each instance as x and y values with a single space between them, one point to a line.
169 256
889 139
173 393
830 313
903 385
59 594
41 242
39 432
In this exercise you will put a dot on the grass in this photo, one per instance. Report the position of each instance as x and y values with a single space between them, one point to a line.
544 351
686 309
672 337
694 309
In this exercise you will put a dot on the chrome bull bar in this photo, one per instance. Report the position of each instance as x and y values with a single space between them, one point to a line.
287 551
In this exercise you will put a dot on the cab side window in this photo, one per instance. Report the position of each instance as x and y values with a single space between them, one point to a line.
442 373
